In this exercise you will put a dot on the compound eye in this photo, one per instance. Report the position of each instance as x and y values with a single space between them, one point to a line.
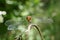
28 18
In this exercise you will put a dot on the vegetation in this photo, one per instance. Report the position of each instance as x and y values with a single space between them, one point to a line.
44 13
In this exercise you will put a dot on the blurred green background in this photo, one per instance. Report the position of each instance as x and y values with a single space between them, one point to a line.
45 13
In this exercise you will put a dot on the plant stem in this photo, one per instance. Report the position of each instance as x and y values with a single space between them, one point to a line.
30 26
